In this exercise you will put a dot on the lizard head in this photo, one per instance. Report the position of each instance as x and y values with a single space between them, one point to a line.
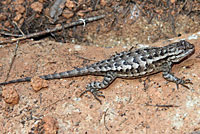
181 50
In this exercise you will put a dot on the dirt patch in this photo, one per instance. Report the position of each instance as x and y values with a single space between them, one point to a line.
130 106
146 105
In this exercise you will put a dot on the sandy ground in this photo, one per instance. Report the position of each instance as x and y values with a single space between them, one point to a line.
58 108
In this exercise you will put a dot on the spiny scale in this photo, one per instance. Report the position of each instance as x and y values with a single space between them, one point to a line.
133 64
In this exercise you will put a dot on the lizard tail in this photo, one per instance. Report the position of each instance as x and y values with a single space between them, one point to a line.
71 73
16 81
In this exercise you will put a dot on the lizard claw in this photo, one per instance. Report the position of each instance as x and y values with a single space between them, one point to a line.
183 83
95 93
83 93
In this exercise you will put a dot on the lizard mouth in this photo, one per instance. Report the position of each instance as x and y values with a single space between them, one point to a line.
187 54
186 49
190 50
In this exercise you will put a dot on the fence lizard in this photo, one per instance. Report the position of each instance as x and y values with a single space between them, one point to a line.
129 64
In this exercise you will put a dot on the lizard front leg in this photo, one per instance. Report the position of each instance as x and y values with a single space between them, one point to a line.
170 77
95 86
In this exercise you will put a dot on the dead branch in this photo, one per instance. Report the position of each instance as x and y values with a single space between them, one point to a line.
58 28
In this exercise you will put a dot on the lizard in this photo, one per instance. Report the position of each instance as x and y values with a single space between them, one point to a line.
129 64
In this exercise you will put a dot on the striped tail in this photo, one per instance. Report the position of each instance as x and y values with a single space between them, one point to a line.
71 73
16 81
67 74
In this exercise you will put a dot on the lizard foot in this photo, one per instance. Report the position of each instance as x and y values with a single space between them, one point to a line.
95 92
183 83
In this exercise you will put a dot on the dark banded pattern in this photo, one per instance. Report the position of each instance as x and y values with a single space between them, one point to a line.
129 64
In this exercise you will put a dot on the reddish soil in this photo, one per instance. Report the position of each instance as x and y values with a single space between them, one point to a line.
131 106
124 109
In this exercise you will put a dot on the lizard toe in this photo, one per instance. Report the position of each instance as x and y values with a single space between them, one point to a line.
183 83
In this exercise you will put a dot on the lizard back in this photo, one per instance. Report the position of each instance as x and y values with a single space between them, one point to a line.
143 61
134 63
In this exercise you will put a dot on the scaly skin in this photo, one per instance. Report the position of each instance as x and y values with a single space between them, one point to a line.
129 64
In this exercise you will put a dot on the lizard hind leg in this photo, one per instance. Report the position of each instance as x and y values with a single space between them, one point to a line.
96 86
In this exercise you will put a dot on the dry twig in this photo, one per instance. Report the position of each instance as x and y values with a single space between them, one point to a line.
12 61
79 22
